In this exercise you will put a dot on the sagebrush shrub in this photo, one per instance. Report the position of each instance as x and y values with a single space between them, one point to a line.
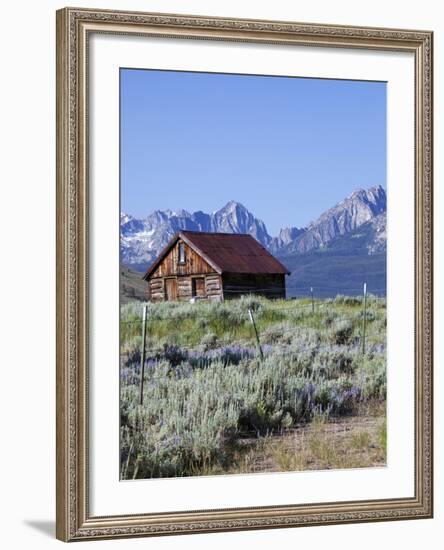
206 385
341 333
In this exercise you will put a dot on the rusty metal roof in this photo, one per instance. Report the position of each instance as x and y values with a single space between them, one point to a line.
227 253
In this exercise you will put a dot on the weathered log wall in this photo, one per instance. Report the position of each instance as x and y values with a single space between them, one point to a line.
156 292
184 288
211 288
268 285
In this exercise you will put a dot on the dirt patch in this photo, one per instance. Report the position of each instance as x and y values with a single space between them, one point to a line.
346 442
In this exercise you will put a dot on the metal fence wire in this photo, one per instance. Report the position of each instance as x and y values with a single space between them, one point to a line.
310 308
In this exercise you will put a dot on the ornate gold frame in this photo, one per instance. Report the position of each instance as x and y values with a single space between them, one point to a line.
73 519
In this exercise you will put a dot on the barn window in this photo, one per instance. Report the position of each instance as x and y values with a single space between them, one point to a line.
182 257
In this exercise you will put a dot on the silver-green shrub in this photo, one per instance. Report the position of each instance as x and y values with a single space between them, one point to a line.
206 385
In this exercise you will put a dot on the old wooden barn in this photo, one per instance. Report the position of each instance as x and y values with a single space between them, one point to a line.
214 266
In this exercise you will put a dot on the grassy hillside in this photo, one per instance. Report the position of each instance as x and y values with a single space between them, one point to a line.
341 267
214 404
331 272
132 286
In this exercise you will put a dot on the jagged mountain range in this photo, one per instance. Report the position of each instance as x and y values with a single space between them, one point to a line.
141 240
360 207
356 225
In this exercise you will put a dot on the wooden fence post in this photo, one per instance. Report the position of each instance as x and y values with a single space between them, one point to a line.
364 322
261 353
142 359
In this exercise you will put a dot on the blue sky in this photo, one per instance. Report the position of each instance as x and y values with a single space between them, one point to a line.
286 148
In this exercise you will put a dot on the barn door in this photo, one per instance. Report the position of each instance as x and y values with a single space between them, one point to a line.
198 287
170 289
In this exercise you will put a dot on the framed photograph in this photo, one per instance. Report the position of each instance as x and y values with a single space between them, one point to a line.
244 274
